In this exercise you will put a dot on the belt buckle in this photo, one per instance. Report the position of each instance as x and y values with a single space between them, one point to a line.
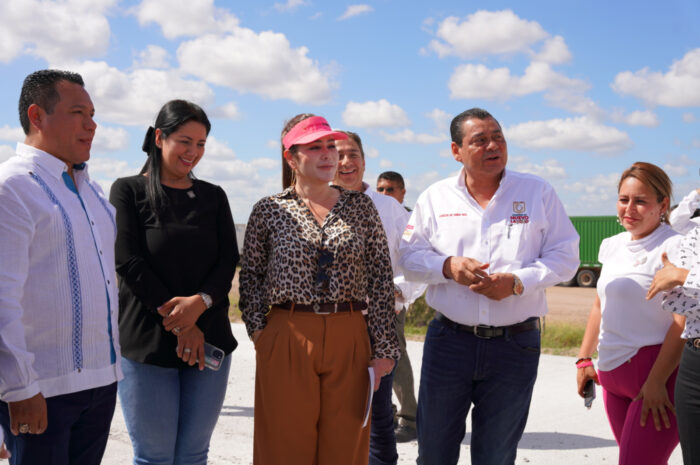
696 343
317 307
476 331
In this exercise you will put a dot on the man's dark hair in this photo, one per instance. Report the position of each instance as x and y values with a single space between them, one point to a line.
458 122
356 137
40 88
392 176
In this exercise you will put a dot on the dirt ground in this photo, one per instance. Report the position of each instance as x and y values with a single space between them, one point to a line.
569 304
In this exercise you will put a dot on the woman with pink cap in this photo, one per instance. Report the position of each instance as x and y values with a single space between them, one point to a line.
315 259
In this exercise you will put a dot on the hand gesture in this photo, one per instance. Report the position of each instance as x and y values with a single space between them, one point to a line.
181 312
495 286
666 278
465 270
656 400
381 367
582 377
190 346
28 415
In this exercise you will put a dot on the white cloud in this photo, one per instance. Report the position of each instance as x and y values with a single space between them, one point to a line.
446 153
178 18
553 51
109 139
264 64
418 183
409 137
637 118
471 81
596 194
273 144
229 110
580 134
291 5
315 16
689 118
384 163
11 134
135 98
266 163
441 119
575 101
6 152
371 152
374 114
485 33
678 87
549 169
57 30
109 169
354 10
675 170
153 56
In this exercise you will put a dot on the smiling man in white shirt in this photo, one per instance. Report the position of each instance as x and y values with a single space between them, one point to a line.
488 242
58 297
351 169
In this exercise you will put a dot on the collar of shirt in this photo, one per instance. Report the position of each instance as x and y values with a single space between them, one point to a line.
54 166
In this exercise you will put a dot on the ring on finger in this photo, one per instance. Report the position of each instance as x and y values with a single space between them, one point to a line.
187 350
176 330
24 428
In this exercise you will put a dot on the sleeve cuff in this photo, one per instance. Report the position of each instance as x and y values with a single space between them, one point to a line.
22 394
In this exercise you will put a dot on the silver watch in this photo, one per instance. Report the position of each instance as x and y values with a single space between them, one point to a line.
206 298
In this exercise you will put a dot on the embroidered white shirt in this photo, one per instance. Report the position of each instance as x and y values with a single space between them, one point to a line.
685 300
58 295
523 230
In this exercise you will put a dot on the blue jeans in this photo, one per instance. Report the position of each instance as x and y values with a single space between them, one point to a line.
77 432
495 375
382 440
170 413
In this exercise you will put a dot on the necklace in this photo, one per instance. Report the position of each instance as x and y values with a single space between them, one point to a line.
318 217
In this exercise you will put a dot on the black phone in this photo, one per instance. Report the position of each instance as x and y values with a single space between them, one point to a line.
589 393
213 356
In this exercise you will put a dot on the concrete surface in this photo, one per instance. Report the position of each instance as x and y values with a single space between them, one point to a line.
560 430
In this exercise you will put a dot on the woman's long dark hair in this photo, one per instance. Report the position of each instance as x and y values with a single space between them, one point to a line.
287 172
174 114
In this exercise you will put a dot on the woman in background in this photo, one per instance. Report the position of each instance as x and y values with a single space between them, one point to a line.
318 256
639 344
176 256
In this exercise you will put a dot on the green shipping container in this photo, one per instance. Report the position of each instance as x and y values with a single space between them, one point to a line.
592 230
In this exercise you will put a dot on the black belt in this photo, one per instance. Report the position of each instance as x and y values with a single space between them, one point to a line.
324 308
487 332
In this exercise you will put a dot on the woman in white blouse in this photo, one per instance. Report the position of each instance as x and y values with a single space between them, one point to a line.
684 299
639 344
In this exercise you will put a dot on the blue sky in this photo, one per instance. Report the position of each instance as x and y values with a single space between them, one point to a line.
582 89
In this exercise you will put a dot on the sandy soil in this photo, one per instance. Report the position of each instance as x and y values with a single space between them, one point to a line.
569 304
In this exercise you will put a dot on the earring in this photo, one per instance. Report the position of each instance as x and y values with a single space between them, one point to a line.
619 221
663 217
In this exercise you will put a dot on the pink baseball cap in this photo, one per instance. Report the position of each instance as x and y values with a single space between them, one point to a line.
309 130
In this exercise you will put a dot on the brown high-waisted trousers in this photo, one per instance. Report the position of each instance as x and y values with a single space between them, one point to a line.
311 387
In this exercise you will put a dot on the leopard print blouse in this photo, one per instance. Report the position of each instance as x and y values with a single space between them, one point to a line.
280 262
685 299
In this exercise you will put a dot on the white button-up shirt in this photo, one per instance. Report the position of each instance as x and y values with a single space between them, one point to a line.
680 217
523 230
685 299
58 295
394 219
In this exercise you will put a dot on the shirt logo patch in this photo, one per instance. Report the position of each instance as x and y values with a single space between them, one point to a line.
519 215
408 231
519 207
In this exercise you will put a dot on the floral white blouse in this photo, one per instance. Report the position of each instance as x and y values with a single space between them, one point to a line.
685 299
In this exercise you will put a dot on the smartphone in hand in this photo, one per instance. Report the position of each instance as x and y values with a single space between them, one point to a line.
213 356
589 393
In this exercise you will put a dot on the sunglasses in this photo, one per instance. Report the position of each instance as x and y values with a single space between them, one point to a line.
325 258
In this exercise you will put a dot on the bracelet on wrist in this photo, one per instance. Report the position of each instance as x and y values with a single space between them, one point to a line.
583 359
584 364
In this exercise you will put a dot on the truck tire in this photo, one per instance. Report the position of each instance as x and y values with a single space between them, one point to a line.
569 283
586 278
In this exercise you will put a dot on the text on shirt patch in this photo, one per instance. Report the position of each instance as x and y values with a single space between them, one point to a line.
408 231
452 214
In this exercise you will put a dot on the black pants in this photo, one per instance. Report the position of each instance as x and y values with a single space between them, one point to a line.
77 431
688 404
